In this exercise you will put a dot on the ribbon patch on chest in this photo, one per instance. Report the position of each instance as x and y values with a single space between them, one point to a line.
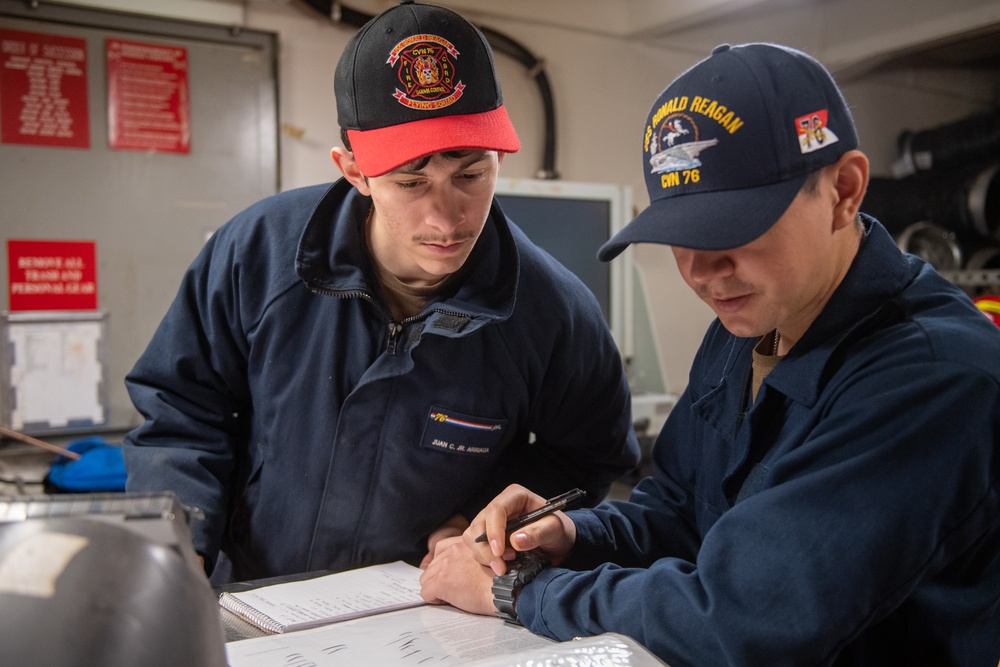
458 433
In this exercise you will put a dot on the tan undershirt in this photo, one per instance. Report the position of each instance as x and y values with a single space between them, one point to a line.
404 300
764 361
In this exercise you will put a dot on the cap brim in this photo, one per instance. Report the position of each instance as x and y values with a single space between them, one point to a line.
707 220
379 151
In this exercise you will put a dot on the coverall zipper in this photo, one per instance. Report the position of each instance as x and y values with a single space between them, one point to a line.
395 328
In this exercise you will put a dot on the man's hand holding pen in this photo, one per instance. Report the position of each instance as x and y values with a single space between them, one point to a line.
461 572
519 520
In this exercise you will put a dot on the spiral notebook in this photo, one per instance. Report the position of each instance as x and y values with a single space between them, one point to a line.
297 605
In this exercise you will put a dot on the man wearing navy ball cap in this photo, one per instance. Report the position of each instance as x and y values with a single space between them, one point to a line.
827 489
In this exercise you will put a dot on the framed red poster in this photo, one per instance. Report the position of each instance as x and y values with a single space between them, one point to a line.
52 275
43 90
148 104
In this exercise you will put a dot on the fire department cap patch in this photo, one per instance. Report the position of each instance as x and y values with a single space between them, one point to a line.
425 66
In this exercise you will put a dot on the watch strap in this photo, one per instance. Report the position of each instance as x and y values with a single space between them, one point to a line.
506 587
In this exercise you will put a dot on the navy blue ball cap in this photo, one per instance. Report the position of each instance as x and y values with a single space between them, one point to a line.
729 144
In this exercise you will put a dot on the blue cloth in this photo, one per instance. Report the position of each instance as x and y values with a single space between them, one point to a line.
315 433
851 516
99 468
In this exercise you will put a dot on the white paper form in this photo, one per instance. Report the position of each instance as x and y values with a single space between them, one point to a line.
428 635
327 599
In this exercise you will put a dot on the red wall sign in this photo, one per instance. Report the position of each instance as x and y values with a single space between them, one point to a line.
148 106
52 275
43 90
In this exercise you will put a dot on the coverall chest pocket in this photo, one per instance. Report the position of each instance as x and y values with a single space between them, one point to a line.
462 434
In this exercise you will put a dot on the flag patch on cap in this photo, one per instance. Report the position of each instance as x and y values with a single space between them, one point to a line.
814 132
425 65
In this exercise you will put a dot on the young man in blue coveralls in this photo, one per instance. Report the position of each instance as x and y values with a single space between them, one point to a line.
350 372
827 489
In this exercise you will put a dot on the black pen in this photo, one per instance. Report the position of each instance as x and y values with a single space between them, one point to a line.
550 506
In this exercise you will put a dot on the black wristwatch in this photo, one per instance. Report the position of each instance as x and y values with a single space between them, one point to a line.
506 586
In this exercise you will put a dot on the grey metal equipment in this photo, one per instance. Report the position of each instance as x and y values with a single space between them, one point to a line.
104 579
936 245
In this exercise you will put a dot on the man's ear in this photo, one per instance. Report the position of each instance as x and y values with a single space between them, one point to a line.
851 181
344 160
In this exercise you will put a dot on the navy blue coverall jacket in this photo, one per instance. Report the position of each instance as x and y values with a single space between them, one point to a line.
316 433
851 516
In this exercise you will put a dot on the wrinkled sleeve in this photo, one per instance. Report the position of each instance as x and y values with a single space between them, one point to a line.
884 491
190 385
580 416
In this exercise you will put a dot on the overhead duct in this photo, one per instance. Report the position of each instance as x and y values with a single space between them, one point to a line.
970 139
947 205
965 200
